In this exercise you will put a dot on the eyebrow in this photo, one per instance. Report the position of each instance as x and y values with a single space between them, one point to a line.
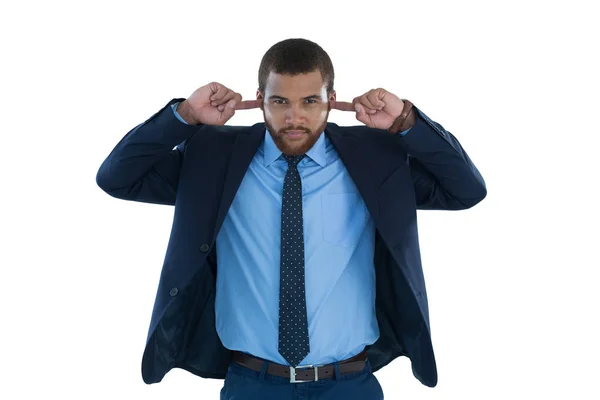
313 96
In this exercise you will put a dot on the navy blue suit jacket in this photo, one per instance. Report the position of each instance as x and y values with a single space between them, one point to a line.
198 168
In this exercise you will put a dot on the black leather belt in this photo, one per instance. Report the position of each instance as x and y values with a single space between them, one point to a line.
302 373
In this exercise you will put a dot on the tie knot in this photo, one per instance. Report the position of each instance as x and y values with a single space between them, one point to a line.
293 160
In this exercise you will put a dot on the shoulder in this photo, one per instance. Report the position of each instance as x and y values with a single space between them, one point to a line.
225 130
221 137
373 144
363 133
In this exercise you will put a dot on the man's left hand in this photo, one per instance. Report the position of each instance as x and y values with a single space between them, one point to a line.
377 108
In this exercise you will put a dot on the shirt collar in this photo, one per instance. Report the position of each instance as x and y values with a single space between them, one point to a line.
317 153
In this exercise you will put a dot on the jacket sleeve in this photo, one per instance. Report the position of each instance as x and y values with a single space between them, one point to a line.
144 166
444 176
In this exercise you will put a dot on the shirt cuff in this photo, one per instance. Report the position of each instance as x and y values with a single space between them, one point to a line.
174 108
404 132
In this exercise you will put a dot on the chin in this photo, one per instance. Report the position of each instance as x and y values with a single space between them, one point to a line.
295 147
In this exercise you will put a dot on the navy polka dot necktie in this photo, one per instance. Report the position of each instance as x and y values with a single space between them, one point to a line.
293 323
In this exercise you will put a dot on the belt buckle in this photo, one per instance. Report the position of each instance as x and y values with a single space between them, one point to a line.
293 373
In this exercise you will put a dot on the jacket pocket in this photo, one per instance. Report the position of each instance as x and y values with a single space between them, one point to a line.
344 218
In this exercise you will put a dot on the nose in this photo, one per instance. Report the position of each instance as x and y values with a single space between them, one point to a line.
294 115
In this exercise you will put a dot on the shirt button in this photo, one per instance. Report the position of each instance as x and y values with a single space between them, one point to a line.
173 292
204 248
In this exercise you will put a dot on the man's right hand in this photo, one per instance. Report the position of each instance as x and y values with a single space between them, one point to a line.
213 104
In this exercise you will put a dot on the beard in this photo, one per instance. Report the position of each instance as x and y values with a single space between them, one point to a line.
296 147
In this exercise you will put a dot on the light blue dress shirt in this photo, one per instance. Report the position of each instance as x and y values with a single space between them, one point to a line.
339 239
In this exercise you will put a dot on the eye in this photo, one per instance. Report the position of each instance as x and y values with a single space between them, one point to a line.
313 100
276 101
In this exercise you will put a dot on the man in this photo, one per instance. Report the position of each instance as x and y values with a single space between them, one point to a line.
293 267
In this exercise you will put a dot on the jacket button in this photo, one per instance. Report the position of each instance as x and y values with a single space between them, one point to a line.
173 292
204 248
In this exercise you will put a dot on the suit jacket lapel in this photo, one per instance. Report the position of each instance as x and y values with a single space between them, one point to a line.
351 150
349 147
242 152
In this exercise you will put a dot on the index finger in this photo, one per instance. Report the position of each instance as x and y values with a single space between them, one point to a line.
248 104
343 106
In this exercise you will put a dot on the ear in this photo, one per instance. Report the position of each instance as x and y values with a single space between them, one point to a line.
260 96
332 98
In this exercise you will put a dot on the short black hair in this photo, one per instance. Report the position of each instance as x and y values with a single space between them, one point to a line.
293 57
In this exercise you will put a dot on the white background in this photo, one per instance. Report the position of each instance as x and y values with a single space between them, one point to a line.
512 283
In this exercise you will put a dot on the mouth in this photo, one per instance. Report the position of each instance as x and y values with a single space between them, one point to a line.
294 134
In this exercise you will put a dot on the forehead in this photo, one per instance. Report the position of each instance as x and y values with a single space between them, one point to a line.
299 85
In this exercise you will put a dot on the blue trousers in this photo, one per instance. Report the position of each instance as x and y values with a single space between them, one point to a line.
242 383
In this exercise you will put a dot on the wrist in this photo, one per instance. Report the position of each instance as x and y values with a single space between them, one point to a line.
405 120
410 121
185 111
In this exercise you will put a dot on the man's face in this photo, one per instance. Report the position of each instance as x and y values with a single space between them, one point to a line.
295 103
